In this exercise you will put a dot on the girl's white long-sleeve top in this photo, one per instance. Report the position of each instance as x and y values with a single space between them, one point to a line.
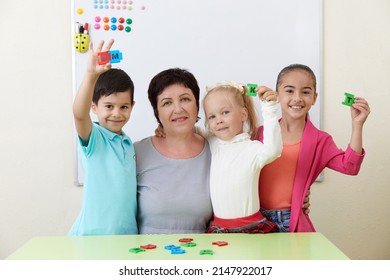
236 165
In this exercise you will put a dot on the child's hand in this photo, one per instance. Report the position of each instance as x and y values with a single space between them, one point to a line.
266 94
360 111
159 131
93 65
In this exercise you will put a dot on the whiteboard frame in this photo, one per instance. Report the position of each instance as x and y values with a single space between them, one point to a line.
316 118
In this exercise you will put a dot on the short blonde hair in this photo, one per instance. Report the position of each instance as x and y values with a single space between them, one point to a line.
239 92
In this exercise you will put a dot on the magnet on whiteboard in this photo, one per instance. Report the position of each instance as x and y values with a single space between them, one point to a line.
109 57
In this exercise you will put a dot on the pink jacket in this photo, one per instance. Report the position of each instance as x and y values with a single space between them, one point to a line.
318 151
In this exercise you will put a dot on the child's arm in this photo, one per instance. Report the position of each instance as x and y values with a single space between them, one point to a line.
83 100
205 133
272 135
159 132
359 113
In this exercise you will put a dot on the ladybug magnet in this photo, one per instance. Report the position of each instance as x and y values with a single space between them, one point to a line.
81 39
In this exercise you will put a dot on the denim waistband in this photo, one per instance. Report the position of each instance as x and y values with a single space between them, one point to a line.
283 211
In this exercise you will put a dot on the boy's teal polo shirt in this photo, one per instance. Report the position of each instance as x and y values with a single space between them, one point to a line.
110 187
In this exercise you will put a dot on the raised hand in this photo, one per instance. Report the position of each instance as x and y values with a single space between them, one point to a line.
93 65
266 94
359 111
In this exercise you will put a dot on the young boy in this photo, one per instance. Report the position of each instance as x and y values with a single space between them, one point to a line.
110 189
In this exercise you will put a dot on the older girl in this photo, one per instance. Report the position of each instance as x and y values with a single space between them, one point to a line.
307 151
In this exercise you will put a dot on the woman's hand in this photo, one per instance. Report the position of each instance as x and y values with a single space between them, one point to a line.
306 203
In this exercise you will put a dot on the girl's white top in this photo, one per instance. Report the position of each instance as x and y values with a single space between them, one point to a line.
236 165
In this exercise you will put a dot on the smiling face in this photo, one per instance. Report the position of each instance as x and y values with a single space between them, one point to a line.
114 111
296 94
225 117
177 109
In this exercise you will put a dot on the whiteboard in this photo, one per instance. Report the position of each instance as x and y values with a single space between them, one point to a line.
248 41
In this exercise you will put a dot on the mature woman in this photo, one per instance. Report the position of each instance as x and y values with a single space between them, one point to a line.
173 171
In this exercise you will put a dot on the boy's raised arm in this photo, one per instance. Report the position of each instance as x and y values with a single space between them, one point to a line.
83 100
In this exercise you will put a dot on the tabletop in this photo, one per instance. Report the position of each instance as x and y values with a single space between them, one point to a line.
270 246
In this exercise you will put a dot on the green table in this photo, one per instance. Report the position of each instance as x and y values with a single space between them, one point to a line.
271 246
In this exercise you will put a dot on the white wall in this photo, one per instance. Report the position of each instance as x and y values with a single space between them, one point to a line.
353 211
37 195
